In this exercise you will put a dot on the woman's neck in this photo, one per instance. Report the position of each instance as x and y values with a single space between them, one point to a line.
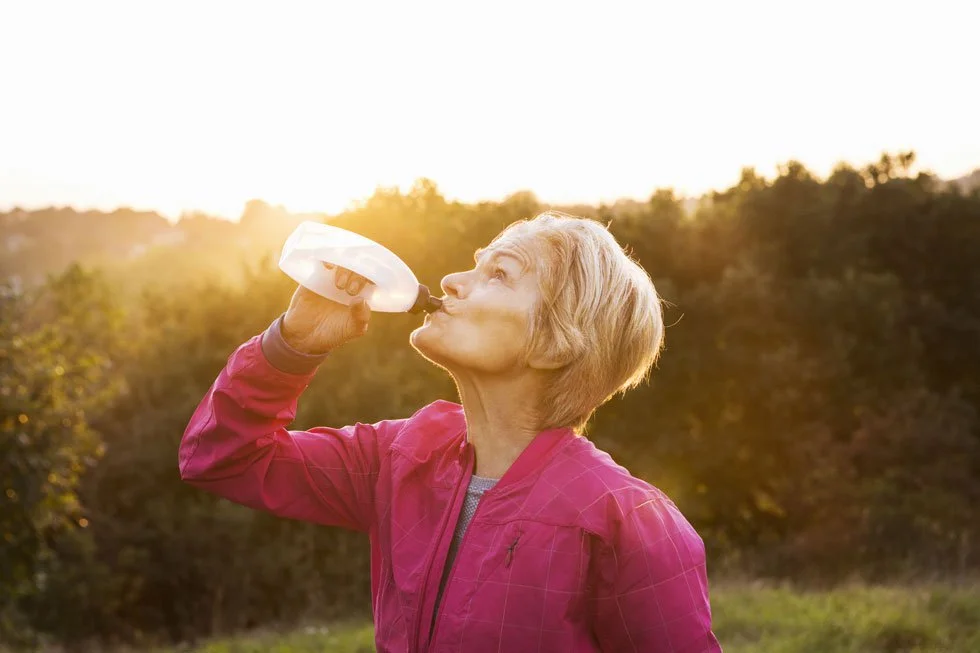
501 418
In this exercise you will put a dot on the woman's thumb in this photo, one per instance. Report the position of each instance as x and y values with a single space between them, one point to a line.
360 314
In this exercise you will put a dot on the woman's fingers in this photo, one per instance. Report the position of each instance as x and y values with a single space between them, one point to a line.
341 277
346 280
356 284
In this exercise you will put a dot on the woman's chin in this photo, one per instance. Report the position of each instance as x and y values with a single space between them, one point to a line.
424 340
430 344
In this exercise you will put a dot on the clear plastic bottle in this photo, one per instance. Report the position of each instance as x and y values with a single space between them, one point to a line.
393 287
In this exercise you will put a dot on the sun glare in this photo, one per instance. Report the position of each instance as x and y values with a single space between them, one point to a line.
193 106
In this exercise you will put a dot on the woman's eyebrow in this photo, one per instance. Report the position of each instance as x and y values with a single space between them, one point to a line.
514 257
493 255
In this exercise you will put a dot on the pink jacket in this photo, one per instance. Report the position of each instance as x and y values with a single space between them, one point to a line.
568 552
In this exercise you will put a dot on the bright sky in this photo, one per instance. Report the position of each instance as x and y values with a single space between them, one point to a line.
203 105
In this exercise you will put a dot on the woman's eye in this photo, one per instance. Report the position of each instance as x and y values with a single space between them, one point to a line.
497 273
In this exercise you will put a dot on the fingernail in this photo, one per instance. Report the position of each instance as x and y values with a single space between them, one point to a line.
340 278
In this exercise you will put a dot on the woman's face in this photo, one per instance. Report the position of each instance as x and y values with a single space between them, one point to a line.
484 322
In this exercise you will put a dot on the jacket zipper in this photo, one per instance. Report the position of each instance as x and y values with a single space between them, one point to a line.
431 560
510 551
452 569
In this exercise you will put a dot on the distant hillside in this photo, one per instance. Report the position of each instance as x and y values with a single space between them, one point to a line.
968 183
138 247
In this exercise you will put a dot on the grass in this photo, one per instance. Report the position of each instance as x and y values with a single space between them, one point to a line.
341 637
848 620
751 617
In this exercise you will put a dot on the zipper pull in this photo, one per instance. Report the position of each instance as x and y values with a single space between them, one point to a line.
510 552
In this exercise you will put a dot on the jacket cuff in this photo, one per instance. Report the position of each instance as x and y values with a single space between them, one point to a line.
283 357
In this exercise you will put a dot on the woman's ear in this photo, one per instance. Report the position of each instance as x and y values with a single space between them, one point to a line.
546 363
561 347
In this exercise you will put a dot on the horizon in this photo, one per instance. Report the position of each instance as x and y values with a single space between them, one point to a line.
201 109
193 212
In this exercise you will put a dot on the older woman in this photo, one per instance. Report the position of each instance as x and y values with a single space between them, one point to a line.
495 525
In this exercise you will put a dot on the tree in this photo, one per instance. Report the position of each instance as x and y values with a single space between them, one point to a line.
54 372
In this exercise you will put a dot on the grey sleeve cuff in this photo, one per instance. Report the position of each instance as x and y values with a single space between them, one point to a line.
282 356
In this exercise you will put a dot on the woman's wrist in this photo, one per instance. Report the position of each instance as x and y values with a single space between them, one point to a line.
285 355
296 342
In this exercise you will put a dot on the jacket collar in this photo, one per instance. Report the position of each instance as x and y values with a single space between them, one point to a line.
534 458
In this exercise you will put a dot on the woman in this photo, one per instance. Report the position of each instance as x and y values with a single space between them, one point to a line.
494 524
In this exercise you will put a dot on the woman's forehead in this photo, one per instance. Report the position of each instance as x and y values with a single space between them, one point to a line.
521 247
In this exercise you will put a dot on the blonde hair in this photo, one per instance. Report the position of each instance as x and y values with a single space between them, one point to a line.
599 320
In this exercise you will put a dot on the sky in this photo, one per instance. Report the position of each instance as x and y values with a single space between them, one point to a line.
179 106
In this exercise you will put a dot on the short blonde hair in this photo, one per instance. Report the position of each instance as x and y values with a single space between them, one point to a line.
599 319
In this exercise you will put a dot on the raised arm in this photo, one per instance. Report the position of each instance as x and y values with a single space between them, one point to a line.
237 444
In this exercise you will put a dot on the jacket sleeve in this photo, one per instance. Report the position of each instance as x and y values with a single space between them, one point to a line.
651 585
237 445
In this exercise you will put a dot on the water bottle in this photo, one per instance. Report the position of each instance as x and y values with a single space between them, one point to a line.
393 287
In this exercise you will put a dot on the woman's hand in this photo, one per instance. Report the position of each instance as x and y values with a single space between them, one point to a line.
315 325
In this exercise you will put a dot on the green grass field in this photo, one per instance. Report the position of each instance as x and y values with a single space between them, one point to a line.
752 618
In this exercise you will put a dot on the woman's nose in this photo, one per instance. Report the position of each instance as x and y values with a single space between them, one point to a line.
452 284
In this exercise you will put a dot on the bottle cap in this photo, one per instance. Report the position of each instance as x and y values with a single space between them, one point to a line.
425 301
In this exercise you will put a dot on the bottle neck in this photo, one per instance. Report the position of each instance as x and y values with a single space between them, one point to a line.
425 301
